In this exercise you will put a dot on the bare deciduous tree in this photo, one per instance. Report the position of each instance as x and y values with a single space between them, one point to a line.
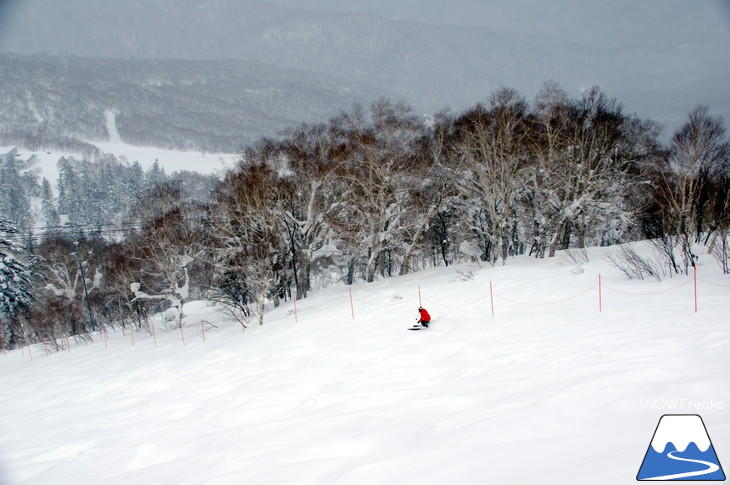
248 230
308 154
379 171
698 153
166 246
580 164
491 149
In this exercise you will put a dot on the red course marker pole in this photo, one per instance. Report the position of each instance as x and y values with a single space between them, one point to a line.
491 296
695 285
352 305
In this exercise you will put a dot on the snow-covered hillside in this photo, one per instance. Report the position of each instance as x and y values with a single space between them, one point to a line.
45 162
169 160
546 390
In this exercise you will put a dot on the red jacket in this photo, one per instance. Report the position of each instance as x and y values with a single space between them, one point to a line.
425 317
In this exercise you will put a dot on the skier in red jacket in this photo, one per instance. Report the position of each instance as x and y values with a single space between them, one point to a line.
423 317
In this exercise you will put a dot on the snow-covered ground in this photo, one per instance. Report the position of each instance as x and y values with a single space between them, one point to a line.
169 160
548 390
45 162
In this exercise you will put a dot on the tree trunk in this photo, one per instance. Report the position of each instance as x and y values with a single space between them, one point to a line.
261 309
351 272
405 268
372 266
554 245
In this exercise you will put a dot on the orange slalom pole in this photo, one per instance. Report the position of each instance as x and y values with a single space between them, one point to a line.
695 285
352 305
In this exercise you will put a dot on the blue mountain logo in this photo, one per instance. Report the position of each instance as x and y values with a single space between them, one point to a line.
681 450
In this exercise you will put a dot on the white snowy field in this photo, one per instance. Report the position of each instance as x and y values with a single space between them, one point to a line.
45 163
169 160
548 390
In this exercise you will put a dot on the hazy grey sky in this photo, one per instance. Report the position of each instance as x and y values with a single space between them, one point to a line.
660 57
637 23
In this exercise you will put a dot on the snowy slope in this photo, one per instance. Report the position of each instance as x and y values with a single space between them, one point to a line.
548 390
169 160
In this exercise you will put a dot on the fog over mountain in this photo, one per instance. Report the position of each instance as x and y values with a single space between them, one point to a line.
660 58
211 105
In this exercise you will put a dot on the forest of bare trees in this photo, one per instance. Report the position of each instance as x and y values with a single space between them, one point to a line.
380 191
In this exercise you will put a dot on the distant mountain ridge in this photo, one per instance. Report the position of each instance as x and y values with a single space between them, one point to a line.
655 56
215 105
431 66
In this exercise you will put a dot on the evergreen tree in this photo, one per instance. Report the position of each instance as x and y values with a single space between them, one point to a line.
14 200
134 181
92 200
48 206
155 175
67 187
15 275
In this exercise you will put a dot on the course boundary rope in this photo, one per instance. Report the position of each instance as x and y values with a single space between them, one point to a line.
384 304
329 307
456 306
547 302
666 290
713 284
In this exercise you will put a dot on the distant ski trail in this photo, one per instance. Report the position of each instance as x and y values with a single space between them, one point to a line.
111 127
711 468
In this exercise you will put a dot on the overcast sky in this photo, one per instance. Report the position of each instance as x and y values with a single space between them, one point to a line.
659 57
589 19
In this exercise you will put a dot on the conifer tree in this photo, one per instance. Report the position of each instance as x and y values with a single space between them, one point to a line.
14 200
48 206
15 274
